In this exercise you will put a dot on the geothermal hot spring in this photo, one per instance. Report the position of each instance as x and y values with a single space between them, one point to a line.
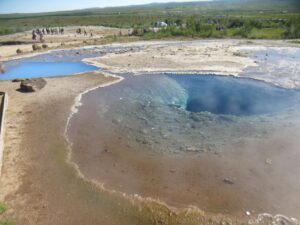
223 144
226 145
44 69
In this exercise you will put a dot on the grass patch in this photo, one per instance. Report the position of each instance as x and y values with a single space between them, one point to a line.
6 222
267 33
3 208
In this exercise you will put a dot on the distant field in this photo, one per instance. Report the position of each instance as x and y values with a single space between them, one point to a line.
270 19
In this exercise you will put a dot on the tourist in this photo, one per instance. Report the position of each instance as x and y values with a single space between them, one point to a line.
33 35
42 39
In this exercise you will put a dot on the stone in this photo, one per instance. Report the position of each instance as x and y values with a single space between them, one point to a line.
32 85
107 151
17 80
269 161
19 51
228 181
190 149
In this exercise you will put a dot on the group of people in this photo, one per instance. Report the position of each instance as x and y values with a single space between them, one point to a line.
80 31
42 32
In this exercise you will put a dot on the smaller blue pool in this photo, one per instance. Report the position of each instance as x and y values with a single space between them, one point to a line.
44 69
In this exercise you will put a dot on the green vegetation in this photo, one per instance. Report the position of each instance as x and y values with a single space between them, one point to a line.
3 209
270 19
36 47
6 222
232 27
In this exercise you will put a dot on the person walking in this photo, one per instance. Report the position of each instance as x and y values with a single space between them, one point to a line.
33 35
42 39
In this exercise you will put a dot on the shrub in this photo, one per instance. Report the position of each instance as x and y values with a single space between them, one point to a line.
44 46
5 31
36 47
293 28
235 23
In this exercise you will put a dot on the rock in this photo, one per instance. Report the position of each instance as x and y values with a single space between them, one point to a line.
19 51
17 80
44 46
107 151
191 149
228 181
32 85
269 161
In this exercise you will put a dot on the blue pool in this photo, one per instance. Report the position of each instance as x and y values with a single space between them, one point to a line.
234 96
44 69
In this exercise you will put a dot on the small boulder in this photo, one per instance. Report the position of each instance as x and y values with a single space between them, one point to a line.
19 51
17 80
32 85
228 181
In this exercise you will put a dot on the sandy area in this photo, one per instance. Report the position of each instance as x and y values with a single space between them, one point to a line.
35 125
224 57
215 56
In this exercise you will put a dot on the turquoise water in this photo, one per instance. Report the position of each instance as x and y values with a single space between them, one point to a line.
234 96
44 69
219 95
